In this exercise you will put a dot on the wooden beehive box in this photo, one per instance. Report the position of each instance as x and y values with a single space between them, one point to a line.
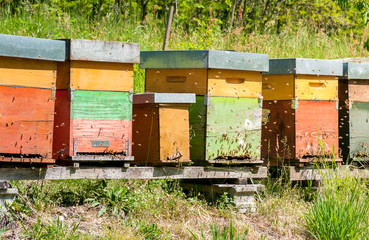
354 111
93 120
302 97
27 92
226 120
161 128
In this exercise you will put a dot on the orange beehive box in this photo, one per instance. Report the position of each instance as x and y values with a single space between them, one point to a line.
161 125
27 97
302 97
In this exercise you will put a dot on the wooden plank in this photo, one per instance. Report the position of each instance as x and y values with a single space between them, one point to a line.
24 138
197 115
234 83
174 133
19 104
117 132
59 173
63 75
27 72
86 75
316 129
205 59
359 130
101 105
62 128
278 87
145 133
33 48
343 120
278 135
176 81
358 90
103 51
233 129
26 121
309 87
26 160
305 66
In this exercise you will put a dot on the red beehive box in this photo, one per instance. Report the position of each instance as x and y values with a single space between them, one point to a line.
27 97
302 97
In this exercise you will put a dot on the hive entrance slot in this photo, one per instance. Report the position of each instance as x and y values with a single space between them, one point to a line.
239 157
176 78
235 80
316 85
9 155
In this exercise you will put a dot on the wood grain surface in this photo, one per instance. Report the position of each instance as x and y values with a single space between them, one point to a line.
234 83
177 81
26 121
27 72
174 133
87 75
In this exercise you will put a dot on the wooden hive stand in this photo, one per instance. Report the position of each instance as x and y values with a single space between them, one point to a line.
225 121
93 112
27 98
302 98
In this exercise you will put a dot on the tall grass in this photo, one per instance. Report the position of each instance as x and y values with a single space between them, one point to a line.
303 42
340 209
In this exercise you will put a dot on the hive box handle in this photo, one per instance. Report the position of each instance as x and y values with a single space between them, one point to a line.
235 80
316 85
176 78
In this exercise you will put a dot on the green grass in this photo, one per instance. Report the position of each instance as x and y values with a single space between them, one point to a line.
340 210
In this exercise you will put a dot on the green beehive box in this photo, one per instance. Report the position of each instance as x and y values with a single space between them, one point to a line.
354 111
225 122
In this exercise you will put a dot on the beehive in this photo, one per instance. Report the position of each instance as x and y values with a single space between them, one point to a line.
302 97
93 110
161 128
27 97
225 122
354 111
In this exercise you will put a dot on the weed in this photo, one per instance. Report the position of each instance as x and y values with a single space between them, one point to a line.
54 230
114 200
228 233
340 210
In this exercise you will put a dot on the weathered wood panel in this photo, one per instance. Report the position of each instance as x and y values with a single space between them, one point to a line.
26 121
359 130
27 72
116 132
233 129
62 128
278 134
358 90
197 115
18 104
58 173
63 75
27 138
87 75
278 87
177 81
145 144
174 133
309 87
316 129
343 119
234 83
101 105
